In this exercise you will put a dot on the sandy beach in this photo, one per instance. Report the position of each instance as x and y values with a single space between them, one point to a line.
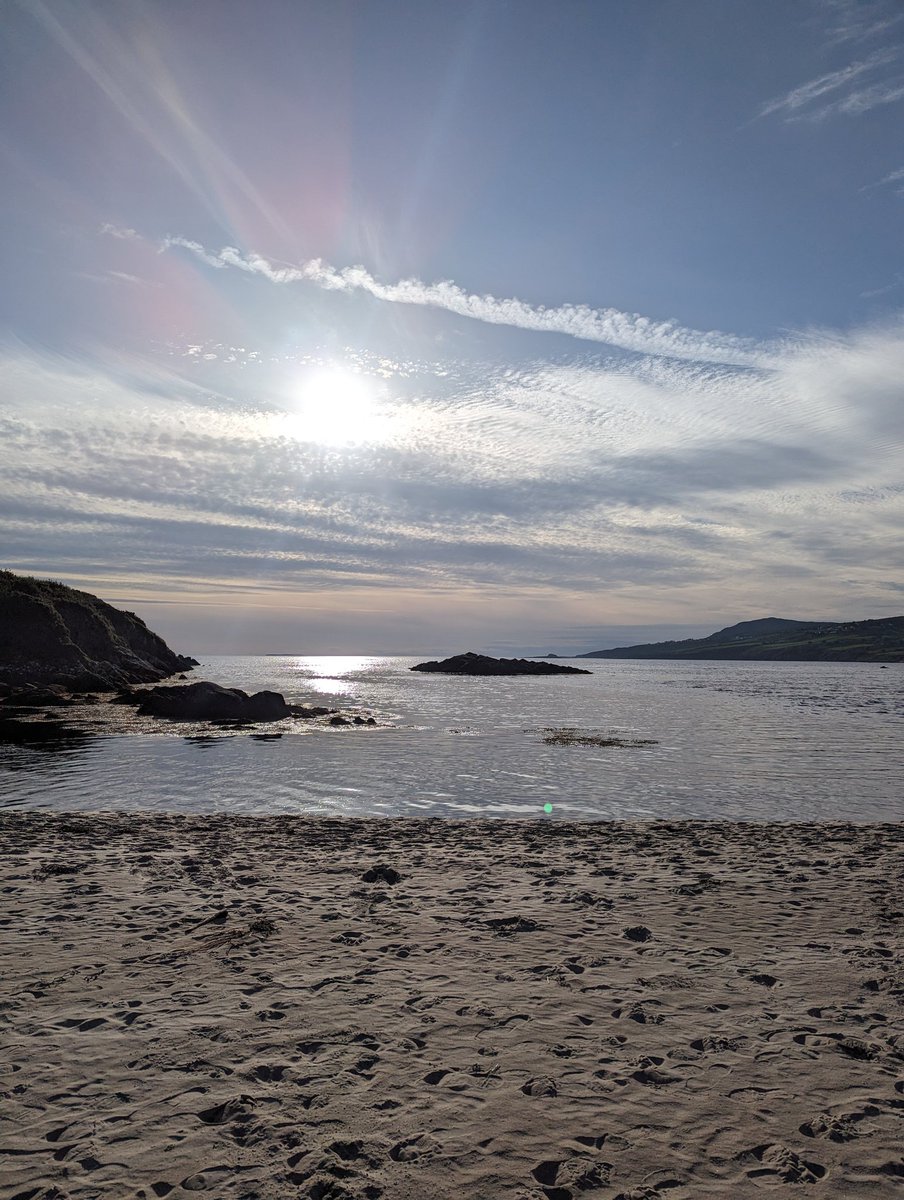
352 1009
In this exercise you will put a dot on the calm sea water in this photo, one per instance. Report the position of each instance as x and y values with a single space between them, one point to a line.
751 741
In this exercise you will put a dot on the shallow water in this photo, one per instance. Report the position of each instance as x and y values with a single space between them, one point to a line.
751 741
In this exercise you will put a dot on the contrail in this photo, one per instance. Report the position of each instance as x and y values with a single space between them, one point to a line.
627 331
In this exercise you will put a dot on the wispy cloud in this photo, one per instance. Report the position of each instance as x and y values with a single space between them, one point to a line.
643 475
122 234
125 277
896 283
859 20
809 100
864 99
893 177
627 331
109 277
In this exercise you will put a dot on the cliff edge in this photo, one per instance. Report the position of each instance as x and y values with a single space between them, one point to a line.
53 634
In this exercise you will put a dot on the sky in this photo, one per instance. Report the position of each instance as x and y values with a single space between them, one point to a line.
403 327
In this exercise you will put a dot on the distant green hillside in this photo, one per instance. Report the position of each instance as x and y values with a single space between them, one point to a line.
774 638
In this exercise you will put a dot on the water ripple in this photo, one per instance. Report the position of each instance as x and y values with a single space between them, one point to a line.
757 741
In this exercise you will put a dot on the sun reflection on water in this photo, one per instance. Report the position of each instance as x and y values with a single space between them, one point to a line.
336 674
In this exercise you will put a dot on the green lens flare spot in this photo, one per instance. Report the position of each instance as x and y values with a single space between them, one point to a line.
547 807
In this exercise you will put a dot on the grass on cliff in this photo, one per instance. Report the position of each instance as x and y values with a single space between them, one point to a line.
11 582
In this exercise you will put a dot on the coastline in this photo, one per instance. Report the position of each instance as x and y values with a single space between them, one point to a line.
256 1007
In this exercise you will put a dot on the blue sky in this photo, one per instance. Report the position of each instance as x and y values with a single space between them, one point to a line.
403 326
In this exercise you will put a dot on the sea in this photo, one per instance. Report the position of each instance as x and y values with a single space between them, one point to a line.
749 741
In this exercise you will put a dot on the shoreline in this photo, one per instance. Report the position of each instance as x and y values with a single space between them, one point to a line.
345 1008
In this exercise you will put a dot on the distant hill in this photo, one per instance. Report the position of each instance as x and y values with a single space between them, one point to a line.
777 639
53 634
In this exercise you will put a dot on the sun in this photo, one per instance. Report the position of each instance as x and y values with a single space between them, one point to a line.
335 406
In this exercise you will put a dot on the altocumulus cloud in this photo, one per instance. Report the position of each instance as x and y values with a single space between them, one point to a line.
634 474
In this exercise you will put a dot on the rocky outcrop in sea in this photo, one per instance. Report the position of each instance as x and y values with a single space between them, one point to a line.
483 664
51 634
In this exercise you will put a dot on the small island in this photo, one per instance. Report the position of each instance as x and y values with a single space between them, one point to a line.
482 664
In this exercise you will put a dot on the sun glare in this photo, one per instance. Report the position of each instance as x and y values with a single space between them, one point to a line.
337 407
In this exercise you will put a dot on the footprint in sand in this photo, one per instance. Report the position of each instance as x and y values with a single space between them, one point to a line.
640 1193
351 937
656 1192
652 1077
541 1086
563 1179
417 1003
858 1049
271 1014
643 1014
364 1066
347 1151
781 1165
420 1146
836 1129
83 1026
219 1114
587 900
341 1161
710 1044
893 1170
268 1074
206 1180
436 1077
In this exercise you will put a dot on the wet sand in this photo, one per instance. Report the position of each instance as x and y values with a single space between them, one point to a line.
257 1009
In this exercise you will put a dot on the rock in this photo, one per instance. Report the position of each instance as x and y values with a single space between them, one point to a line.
339 721
205 701
637 933
482 664
506 926
380 873
55 635
308 711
